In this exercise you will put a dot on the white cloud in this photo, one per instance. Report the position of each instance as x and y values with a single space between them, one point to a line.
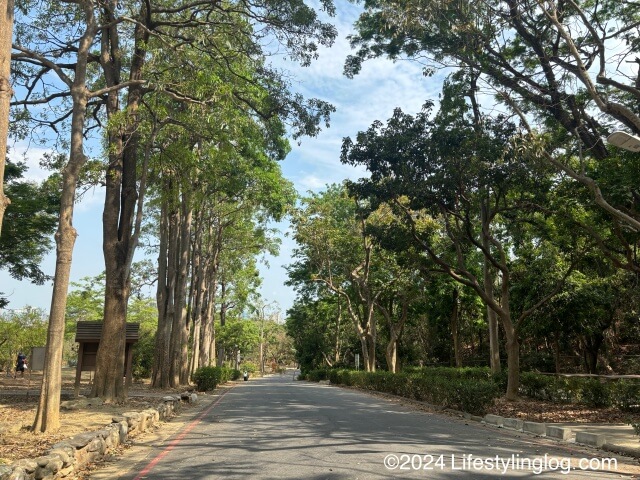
32 156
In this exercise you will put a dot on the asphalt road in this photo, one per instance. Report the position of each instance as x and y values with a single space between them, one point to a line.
274 428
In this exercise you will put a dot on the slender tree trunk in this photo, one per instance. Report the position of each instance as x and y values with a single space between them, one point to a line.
556 351
590 350
166 287
207 336
370 341
395 330
455 329
48 412
198 286
183 365
513 366
223 319
163 332
392 354
365 352
211 315
336 356
494 345
6 35
513 345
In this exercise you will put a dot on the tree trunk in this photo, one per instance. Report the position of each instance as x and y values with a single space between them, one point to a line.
180 359
455 329
513 367
6 35
392 355
162 297
556 351
48 412
513 346
207 337
370 341
119 240
590 350
166 288
198 292
365 353
336 356
223 318
494 341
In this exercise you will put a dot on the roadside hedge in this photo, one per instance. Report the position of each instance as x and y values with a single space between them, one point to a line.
208 378
473 390
592 392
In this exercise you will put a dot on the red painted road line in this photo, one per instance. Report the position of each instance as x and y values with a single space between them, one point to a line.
178 439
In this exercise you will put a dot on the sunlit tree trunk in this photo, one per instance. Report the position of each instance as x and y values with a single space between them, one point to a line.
6 34
48 412
119 222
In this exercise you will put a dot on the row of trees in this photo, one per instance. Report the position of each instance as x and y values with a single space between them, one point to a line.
185 119
520 205
243 331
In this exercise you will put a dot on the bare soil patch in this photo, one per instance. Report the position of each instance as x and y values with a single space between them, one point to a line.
18 404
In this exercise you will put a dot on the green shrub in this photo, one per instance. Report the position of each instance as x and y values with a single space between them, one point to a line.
626 395
550 388
236 374
472 390
248 367
596 394
208 378
205 378
474 396
317 375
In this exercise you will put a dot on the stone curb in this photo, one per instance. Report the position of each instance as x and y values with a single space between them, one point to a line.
64 458
559 433
591 439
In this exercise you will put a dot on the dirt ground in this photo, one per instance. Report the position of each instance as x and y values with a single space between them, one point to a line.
18 403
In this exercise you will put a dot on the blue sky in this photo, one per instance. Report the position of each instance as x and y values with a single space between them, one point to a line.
372 95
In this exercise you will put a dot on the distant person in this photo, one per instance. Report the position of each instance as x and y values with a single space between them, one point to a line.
21 364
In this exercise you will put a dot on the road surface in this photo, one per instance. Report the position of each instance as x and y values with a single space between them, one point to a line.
275 428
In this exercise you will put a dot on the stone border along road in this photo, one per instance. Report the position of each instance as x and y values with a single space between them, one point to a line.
68 456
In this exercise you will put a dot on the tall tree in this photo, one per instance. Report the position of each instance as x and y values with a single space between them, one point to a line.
570 67
222 32
6 39
37 62
436 173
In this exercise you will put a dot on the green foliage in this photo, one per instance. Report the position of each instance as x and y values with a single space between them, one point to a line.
208 378
248 367
317 375
592 392
28 224
143 311
596 394
470 390
549 388
239 334
20 331
626 395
